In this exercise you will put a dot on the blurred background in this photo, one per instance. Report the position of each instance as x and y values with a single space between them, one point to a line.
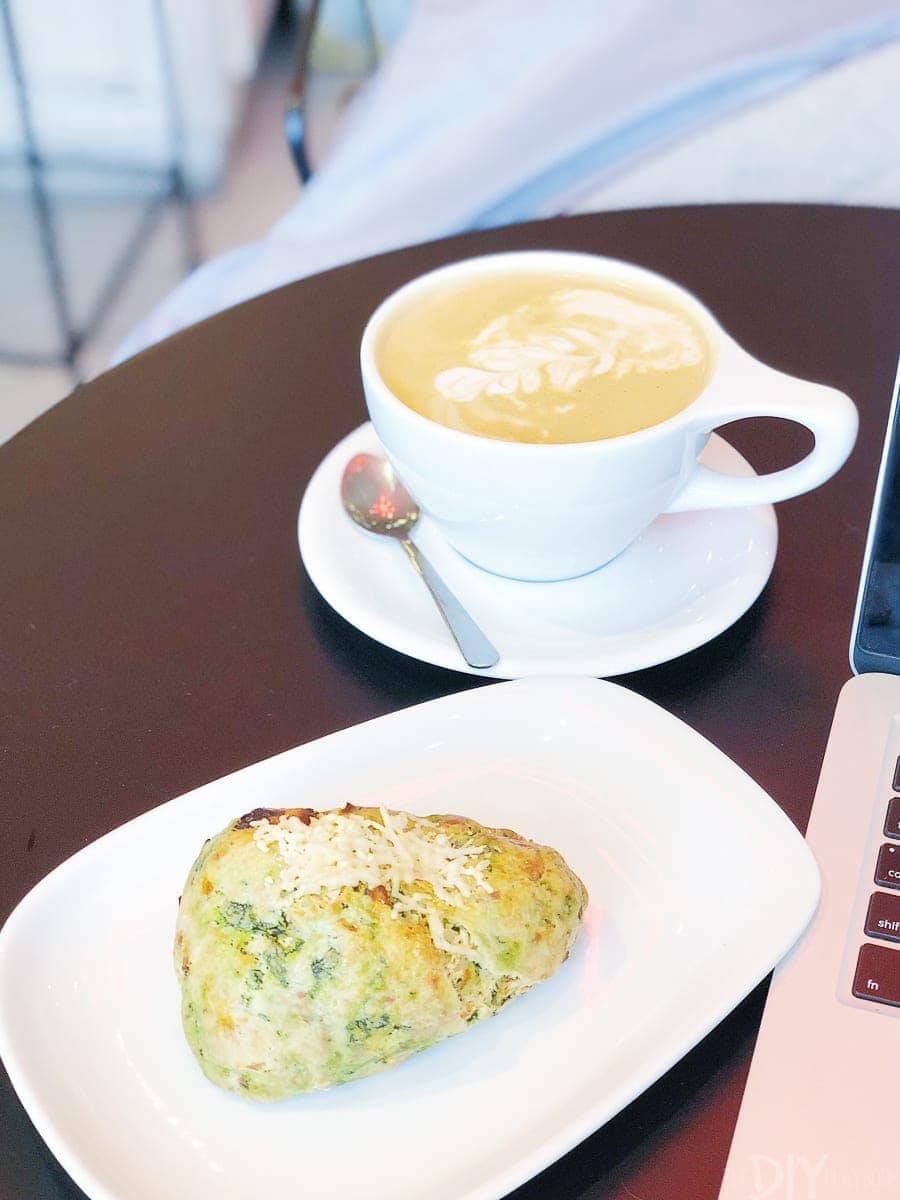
158 130
141 138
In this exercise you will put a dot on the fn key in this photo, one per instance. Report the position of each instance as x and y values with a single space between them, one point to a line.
877 975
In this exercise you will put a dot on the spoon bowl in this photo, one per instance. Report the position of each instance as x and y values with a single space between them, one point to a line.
375 498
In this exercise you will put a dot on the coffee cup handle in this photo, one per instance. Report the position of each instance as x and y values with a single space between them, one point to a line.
829 415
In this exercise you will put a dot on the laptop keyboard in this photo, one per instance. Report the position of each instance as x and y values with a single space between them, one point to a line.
877 974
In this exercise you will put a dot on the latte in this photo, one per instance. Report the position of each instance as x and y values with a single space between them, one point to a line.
528 355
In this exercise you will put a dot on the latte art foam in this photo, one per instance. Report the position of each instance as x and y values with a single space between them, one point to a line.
544 356
564 340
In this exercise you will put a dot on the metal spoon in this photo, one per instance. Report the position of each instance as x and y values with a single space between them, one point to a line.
376 499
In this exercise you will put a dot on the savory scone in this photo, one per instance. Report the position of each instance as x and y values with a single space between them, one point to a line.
317 947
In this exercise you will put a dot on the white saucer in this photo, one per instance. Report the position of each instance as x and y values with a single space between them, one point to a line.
685 580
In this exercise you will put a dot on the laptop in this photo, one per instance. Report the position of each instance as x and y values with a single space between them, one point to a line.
818 1118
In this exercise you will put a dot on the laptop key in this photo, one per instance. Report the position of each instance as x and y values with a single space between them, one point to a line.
878 975
887 869
892 821
883 917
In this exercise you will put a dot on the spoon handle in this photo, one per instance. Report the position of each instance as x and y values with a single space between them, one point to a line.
474 646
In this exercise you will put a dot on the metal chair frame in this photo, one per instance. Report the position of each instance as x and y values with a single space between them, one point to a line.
296 114
173 189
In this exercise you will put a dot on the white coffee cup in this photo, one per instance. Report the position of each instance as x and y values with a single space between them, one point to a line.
555 511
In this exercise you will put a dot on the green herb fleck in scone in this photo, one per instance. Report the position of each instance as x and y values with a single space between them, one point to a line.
318 947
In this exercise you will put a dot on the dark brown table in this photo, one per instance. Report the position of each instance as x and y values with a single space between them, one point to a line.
157 629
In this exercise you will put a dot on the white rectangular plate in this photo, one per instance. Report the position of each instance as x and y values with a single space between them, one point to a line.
698 885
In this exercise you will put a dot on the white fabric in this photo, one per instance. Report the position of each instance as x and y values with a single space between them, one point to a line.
833 139
490 111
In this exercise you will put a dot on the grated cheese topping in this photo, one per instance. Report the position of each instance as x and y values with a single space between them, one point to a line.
337 850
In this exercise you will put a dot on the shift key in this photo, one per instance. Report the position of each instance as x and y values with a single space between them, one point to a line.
883 916
877 975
